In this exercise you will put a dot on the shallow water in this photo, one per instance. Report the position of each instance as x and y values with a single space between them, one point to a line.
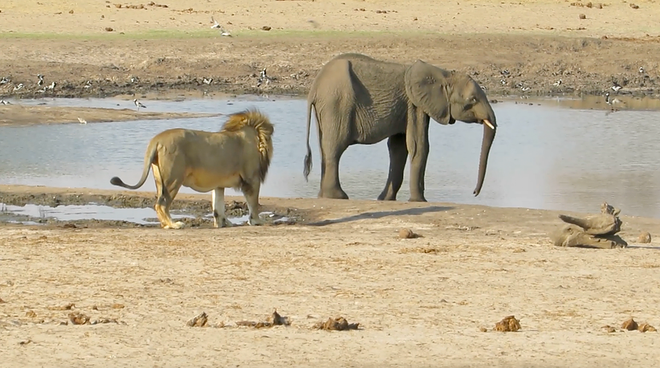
28 213
546 156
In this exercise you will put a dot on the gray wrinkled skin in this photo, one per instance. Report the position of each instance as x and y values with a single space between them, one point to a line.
594 231
574 236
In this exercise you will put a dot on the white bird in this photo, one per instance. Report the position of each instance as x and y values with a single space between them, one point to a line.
51 86
207 80
82 121
224 32
616 87
215 23
19 86
3 102
4 80
641 69
41 80
612 103
138 104
557 83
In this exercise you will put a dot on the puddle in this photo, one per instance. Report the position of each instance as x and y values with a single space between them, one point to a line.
32 214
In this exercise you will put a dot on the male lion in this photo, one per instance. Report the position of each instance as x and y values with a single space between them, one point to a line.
238 157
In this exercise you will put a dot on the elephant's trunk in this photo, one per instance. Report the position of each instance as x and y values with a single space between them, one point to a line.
490 127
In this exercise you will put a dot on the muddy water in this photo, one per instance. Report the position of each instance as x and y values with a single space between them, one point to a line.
545 156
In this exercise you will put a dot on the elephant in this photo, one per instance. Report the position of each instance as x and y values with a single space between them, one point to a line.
361 100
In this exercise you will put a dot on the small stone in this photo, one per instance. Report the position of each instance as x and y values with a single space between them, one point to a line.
109 29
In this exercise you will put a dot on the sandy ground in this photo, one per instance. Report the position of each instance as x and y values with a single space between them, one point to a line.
419 302
16 114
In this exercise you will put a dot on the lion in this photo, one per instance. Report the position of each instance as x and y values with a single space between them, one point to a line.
238 156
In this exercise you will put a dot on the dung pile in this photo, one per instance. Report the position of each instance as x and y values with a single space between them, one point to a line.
594 231
508 324
337 324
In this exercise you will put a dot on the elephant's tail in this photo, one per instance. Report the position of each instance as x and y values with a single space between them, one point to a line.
308 157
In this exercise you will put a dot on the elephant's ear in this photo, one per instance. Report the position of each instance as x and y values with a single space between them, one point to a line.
427 88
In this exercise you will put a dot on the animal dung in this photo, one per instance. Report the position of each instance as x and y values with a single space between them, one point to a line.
583 16
508 324
645 327
644 237
407 234
274 319
199 320
266 28
629 325
78 318
609 329
337 324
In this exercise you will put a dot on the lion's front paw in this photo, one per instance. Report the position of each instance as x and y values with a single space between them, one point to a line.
175 225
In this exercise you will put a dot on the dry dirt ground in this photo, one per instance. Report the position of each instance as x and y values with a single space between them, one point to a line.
423 301
159 51
419 302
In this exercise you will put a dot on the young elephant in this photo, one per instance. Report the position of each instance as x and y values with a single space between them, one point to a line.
360 100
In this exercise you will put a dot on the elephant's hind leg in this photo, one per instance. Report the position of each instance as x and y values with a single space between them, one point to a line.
396 144
330 186
332 147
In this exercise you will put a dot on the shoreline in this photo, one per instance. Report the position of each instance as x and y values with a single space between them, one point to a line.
182 65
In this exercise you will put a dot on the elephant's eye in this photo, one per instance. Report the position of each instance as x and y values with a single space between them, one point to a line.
473 100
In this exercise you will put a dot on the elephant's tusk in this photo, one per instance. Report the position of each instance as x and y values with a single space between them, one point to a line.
489 124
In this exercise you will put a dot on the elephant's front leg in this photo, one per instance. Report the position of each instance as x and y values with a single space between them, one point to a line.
417 141
396 144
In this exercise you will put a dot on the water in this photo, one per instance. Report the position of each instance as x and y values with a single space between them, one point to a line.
547 156
145 216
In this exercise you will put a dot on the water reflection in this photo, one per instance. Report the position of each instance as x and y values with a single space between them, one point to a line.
543 157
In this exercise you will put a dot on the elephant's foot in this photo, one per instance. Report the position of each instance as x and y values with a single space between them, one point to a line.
417 198
387 196
335 193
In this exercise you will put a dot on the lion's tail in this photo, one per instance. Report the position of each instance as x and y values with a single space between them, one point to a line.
308 157
261 124
149 157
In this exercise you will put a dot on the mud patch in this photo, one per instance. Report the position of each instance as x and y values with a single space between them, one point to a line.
77 210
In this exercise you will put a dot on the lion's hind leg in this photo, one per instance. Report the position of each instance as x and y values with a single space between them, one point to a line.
166 191
219 217
251 193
